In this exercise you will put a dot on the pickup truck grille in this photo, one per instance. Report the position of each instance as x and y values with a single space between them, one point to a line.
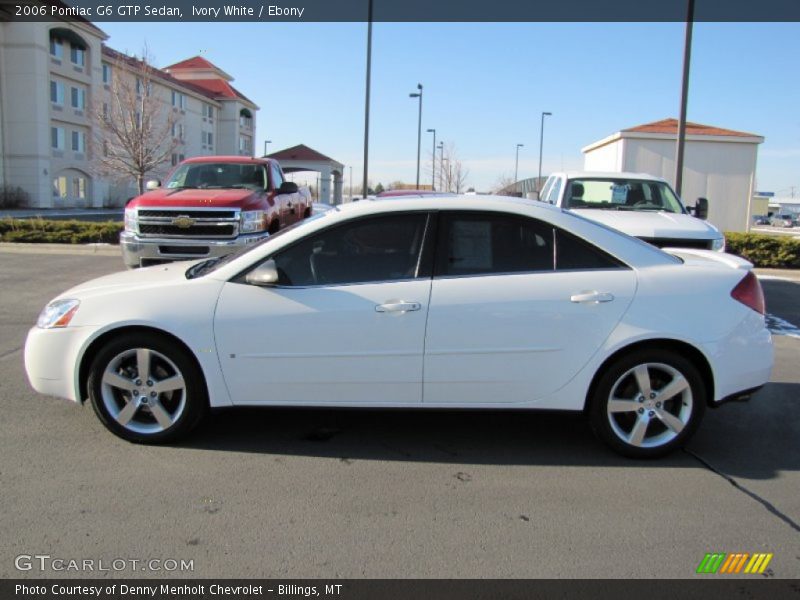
679 243
188 223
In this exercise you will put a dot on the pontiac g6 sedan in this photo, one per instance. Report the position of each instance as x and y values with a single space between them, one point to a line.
457 302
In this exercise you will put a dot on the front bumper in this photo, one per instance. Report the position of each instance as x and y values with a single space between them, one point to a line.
51 357
141 252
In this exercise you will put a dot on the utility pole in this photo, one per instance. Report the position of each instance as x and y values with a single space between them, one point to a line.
366 104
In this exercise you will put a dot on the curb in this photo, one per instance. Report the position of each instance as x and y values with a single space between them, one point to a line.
73 249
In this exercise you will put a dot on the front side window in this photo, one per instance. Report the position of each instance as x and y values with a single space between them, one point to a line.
375 249
622 194
493 243
554 191
277 178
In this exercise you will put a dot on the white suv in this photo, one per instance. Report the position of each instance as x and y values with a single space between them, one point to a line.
637 204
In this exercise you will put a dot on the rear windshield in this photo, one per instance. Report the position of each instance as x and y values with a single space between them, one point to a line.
622 194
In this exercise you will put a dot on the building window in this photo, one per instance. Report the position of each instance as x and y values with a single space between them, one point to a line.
78 141
57 92
77 55
57 138
140 87
245 122
105 110
179 100
79 187
177 131
106 73
56 49
60 187
245 144
78 98
208 139
208 111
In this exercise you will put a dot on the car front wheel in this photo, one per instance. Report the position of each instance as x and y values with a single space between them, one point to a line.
647 404
146 389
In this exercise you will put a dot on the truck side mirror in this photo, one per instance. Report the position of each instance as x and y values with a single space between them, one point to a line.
153 184
701 208
265 274
287 187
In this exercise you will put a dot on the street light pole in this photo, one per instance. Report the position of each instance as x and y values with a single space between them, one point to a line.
681 142
433 161
351 183
419 126
366 103
541 145
265 146
516 162
441 165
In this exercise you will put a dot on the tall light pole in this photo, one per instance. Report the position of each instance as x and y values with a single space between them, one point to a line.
351 183
516 162
419 125
433 161
681 142
265 146
366 103
541 145
441 164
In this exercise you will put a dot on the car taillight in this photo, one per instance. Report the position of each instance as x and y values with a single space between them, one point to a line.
748 291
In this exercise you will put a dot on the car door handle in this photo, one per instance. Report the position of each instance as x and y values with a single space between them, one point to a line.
592 297
398 307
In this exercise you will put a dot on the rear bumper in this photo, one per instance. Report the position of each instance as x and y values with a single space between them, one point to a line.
140 252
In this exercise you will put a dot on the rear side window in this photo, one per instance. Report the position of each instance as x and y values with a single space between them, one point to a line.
573 253
490 243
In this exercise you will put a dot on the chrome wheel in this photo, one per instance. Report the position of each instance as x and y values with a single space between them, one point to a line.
649 405
143 391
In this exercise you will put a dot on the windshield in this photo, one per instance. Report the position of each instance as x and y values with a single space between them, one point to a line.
622 194
218 175
212 264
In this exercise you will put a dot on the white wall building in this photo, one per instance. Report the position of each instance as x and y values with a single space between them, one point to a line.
53 73
719 164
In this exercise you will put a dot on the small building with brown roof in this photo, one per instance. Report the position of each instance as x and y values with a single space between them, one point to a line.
719 164
302 158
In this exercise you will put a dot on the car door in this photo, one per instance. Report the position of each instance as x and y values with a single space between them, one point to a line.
345 323
506 326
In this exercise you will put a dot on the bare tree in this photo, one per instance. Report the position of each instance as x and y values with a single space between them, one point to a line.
453 173
504 181
133 131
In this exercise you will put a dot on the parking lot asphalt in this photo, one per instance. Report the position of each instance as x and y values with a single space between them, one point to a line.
344 493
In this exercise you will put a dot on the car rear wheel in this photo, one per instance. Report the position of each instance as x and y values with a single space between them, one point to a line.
648 404
146 389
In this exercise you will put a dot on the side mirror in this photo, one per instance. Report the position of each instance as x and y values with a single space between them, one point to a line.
701 208
265 274
288 187
153 184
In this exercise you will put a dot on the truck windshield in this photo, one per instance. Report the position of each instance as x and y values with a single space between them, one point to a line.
218 175
622 194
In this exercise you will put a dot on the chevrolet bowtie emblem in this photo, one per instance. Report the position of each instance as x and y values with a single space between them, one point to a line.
183 221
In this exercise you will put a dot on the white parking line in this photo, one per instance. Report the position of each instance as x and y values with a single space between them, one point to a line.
778 326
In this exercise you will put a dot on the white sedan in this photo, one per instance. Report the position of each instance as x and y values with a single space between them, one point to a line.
476 302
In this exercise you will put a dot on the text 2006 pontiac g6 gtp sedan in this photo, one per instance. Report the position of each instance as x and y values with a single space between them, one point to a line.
462 302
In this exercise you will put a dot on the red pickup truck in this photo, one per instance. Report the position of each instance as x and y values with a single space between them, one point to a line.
210 206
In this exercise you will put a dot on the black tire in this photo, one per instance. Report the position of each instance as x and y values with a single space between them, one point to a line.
648 427
157 415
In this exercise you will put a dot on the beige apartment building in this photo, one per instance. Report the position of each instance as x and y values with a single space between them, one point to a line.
52 74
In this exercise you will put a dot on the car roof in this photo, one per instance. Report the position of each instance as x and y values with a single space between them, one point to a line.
608 175
399 193
228 159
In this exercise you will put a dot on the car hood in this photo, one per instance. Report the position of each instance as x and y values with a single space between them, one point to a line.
196 198
136 280
652 224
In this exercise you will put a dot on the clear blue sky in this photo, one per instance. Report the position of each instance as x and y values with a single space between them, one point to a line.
487 83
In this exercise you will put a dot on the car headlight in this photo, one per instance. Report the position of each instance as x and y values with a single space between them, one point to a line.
57 314
130 220
253 221
718 244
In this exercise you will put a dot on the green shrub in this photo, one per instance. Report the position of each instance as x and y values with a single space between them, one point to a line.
13 196
59 232
766 251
